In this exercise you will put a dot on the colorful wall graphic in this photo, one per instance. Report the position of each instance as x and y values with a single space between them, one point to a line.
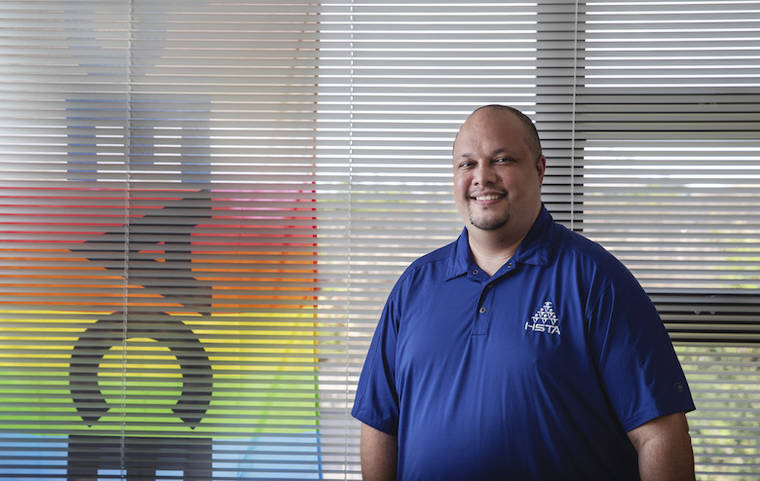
217 356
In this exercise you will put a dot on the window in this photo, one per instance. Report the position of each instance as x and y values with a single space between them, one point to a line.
205 205
664 117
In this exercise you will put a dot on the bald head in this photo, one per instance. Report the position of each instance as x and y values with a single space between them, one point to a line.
531 134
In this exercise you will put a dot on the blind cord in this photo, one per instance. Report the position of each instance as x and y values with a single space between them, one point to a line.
350 208
125 268
572 118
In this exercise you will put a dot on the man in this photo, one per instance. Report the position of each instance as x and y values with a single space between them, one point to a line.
522 351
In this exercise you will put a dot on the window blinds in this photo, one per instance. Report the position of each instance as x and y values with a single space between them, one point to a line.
204 205
666 117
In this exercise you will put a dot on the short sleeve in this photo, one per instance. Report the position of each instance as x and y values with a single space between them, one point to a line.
635 357
376 403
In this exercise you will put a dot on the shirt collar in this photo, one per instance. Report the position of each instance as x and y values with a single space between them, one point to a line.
535 249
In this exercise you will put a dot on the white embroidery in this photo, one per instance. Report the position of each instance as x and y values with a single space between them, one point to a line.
545 320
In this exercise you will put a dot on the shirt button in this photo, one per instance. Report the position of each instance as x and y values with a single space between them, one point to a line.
482 310
475 272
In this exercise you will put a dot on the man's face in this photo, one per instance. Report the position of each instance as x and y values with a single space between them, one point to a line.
497 177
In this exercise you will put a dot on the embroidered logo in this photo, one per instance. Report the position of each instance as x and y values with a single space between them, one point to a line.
545 320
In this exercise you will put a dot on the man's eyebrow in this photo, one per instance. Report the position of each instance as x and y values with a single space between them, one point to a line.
500 150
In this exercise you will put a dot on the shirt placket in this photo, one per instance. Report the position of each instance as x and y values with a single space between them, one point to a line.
484 309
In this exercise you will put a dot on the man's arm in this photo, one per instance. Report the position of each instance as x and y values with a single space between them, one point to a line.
378 455
664 448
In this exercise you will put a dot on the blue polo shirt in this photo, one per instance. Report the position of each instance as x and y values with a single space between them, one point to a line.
534 373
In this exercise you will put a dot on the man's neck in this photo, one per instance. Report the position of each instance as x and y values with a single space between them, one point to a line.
492 249
490 252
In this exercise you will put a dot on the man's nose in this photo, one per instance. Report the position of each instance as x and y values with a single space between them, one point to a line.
484 173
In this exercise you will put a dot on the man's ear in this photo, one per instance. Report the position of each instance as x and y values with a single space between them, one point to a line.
541 167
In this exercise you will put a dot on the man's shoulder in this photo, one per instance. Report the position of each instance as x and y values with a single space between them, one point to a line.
437 260
440 256
586 253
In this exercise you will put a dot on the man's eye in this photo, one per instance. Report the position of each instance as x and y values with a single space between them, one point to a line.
504 160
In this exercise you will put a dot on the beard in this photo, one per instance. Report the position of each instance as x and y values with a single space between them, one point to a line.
488 220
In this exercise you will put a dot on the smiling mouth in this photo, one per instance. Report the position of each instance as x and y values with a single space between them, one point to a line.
486 197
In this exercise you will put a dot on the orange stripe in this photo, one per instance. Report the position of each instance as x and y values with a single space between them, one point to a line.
252 279
267 306
271 271
253 261
82 286
77 294
117 304
299 298
44 276
51 259
262 288
259 253
35 250
74 268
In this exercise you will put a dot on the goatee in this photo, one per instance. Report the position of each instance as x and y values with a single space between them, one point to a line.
488 223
